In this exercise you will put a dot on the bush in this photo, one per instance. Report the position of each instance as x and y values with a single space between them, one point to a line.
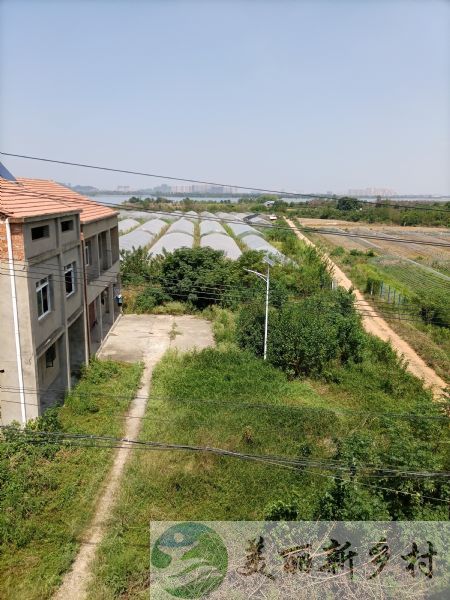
338 251
304 337
171 308
373 285
148 299
224 325
199 276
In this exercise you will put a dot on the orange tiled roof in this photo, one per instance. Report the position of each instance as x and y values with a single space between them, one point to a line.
34 197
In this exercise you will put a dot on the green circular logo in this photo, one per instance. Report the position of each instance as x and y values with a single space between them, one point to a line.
191 560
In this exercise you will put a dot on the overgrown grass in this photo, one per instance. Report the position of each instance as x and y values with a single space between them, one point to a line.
203 398
48 493
223 324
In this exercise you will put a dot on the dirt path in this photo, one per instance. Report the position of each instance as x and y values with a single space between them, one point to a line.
379 327
134 338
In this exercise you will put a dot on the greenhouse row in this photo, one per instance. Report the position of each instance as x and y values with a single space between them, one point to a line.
181 233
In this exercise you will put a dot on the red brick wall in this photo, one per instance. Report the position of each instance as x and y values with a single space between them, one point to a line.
16 240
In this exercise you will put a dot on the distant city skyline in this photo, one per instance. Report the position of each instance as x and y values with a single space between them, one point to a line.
300 96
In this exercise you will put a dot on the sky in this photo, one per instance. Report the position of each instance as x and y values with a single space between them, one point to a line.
290 95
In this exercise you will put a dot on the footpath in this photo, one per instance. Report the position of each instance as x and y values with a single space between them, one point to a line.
134 338
376 325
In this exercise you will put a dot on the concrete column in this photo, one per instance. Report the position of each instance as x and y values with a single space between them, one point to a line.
99 316
108 248
65 351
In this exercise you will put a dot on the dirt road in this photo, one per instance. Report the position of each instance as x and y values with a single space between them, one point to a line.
376 325
134 338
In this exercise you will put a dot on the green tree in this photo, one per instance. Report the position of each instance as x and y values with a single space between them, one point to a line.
347 203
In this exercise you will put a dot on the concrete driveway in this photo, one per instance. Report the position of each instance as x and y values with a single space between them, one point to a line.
146 337
134 338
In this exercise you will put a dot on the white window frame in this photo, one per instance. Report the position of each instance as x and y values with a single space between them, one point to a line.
70 268
40 286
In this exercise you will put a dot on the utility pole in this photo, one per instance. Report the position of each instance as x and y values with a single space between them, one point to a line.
265 278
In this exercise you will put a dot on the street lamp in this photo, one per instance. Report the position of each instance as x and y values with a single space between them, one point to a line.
265 278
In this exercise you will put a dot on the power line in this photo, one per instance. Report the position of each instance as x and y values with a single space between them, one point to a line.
303 229
217 291
217 298
198 181
237 404
59 436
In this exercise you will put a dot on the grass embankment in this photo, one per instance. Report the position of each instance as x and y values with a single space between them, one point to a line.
431 342
48 492
202 399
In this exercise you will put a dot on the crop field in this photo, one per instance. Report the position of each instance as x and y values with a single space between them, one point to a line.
414 249
412 281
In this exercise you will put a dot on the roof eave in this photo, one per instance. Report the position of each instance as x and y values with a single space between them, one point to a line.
44 217
102 218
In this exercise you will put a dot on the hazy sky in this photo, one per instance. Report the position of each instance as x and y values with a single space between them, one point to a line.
305 96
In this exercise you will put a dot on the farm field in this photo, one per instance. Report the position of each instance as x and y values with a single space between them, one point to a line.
408 283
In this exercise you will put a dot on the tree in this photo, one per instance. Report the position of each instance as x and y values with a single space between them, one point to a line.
201 276
347 203
305 337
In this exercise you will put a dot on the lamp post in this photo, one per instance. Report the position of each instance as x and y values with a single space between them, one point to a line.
265 278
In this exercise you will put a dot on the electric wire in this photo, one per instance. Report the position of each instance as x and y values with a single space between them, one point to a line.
191 180
301 229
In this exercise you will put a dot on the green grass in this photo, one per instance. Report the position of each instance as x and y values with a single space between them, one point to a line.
48 493
180 485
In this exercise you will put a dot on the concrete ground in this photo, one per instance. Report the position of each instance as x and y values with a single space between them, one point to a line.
140 337
133 338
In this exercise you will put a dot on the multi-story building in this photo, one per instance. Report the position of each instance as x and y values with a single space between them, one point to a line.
59 270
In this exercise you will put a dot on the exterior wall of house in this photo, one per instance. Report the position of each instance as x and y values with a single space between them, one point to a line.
102 278
55 345
10 400
41 337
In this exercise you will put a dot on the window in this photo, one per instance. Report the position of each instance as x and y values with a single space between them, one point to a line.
87 253
43 297
67 225
40 232
50 356
69 279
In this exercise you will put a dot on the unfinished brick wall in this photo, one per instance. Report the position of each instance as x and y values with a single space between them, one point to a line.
17 241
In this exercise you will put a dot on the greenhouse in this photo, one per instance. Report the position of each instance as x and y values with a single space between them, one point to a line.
258 220
211 227
170 242
256 242
135 239
155 226
242 229
219 241
127 224
191 214
206 215
140 214
224 216
182 226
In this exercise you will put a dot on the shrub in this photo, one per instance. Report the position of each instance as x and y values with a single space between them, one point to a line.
149 298
198 275
171 308
281 511
338 251
304 337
